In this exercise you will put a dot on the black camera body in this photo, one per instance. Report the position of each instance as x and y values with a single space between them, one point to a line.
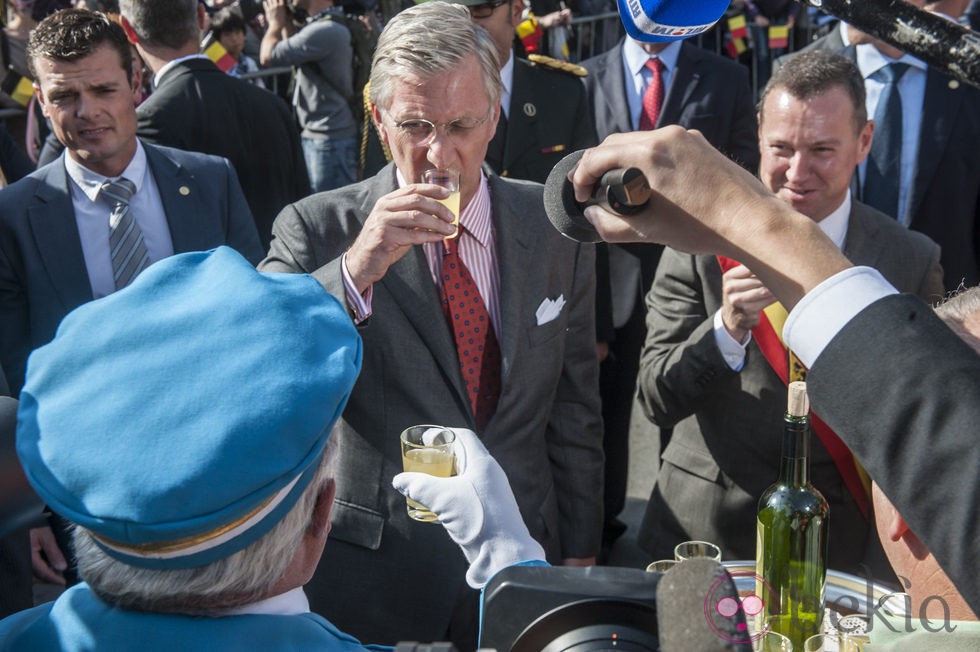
558 609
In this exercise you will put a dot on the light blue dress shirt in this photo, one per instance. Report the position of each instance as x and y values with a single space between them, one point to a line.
637 76
92 217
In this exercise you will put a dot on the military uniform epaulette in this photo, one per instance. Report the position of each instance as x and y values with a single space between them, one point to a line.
558 64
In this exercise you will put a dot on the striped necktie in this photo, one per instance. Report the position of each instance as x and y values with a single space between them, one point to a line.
126 246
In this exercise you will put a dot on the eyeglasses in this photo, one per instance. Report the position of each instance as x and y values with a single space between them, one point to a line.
486 9
419 131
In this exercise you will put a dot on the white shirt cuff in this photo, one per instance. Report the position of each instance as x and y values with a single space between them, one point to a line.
359 304
731 349
827 308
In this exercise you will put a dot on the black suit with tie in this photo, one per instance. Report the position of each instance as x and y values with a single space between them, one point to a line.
708 93
42 268
198 108
944 199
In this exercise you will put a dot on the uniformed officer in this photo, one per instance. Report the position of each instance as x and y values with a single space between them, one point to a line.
183 424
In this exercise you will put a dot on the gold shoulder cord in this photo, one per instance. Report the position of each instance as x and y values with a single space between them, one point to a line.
556 64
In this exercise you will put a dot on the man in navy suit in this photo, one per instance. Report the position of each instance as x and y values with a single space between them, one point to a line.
698 90
55 251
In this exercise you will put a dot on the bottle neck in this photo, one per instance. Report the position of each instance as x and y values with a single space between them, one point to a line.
794 469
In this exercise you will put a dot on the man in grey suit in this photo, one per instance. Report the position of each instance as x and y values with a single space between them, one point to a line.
701 91
706 369
881 363
55 251
379 246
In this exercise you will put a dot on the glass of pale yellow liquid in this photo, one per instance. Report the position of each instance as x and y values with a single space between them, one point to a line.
448 179
427 449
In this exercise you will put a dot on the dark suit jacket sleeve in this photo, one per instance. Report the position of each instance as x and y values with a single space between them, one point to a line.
240 233
575 428
680 362
15 329
903 392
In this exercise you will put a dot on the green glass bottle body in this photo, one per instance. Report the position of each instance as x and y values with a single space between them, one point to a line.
791 542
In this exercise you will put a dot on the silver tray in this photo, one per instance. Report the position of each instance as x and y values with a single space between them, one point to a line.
846 593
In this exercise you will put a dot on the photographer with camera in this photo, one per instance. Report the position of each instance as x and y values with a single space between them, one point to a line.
321 52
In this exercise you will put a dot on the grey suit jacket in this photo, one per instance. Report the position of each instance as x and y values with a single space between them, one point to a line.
385 577
726 444
912 423
42 268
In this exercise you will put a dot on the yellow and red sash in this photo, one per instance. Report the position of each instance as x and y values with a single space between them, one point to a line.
768 336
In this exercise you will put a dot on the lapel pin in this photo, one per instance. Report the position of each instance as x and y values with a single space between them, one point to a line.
184 190
953 84
530 110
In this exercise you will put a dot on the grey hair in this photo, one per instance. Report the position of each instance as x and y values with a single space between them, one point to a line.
429 39
959 310
162 23
210 590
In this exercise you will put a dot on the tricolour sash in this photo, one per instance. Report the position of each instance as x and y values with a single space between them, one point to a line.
768 336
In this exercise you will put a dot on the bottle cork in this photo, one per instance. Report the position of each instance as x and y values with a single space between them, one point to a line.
798 405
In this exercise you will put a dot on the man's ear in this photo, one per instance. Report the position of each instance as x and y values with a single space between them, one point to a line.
379 124
40 99
130 32
322 509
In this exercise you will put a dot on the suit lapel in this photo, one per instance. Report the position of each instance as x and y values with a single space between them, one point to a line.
179 193
612 81
409 282
53 224
514 236
861 245
684 80
939 110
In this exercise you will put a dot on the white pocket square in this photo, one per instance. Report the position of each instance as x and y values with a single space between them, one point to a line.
549 309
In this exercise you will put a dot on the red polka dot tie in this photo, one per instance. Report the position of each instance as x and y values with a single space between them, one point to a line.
476 343
653 97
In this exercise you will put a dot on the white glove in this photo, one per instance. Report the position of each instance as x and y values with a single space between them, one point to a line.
477 508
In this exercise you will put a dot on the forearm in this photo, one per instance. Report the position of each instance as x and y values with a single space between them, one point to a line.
738 218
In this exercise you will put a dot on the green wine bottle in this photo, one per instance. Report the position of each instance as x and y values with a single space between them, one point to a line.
791 535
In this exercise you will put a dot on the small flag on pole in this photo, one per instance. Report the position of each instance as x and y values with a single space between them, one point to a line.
17 87
735 46
218 54
736 25
778 37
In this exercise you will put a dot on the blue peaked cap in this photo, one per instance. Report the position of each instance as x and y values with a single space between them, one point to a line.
658 21
180 418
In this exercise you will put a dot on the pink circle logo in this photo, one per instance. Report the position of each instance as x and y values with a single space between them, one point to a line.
719 607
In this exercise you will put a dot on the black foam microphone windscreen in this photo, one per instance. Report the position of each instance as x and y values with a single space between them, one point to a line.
698 608
622 191
952 48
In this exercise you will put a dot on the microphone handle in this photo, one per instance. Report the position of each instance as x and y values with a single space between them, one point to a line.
941 43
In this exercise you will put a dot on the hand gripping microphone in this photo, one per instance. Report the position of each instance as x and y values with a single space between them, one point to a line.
622 191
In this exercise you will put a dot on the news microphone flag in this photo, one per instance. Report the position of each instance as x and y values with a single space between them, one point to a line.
659 21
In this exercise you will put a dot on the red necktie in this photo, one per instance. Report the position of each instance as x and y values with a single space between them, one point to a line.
653 97
476 344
